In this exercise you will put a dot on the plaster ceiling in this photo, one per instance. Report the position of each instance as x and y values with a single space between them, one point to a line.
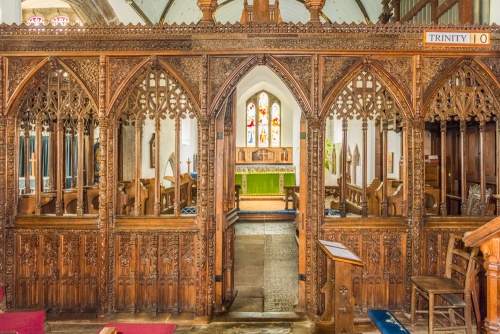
187 11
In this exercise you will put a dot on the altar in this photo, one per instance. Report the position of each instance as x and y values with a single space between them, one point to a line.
264 180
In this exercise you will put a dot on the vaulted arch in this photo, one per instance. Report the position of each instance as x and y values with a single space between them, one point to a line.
245 67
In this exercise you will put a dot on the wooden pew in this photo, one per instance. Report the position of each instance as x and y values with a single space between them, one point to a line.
70 199
354 197
26 204
92 199
125 199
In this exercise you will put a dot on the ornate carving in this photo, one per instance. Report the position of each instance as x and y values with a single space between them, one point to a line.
401 71
220 69
119 69
88 71
432 69
494 65
191 70
17 70
300 69
333 69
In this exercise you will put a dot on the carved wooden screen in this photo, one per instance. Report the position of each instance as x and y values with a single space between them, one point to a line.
367 113
57 121
461 129
151 133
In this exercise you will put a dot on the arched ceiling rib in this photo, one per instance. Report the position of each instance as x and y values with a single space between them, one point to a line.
184 11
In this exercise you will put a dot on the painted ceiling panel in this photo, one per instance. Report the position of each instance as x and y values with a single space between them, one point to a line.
183 11
125 13
341 11
373 8
44 4
153 9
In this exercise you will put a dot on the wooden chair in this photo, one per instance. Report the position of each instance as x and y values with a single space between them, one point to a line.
453 309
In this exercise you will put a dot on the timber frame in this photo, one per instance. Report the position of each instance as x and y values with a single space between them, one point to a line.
313 60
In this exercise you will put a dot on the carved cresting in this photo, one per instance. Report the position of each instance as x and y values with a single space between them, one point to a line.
103 185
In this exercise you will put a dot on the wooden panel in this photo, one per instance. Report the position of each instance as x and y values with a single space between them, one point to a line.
56 270
471 152
382 281
168 275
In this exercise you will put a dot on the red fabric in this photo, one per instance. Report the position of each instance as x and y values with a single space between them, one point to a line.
124 328
23 322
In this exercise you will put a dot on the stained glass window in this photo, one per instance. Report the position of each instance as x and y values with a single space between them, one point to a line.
60 20
36 21
264 128
251 124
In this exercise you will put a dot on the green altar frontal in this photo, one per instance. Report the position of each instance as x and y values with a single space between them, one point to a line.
264 181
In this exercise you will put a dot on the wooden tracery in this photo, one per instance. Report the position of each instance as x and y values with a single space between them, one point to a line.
365 97
156 95
463 96
57 108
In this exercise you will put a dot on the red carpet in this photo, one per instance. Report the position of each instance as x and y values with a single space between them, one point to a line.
23 322
124 328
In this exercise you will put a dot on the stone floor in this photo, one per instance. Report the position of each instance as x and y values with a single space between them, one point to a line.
265 277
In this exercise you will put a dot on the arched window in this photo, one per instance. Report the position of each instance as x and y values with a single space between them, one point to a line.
60 20
263 120
36 21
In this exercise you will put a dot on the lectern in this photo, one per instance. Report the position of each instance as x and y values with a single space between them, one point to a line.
339 301
487 237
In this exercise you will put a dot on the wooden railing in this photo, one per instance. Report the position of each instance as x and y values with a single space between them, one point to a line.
126 196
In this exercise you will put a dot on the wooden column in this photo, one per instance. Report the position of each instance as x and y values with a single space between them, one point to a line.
157 181
38 168
465 12
315 7
397 10
74 160
177 166
80 167
385 152
404 176
138 166
463 173
27 186
488 238
442 205
364 208
208 9
343 183
52 159
482 167
60 178
301 220
497 120
103 224
220 213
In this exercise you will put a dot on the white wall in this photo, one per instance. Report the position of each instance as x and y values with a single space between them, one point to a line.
262 78
10 11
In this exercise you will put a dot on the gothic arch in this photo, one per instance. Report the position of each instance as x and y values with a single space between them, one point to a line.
135 77
35 75
245 67
402 101
455 88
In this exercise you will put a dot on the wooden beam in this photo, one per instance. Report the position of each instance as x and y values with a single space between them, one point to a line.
444 7
465 11
363 10
139 11
414 11
165 11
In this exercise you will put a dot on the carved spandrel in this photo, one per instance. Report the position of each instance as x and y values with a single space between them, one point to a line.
300 68
17 70
191 70
88 70
432 69
220 69
119 69
333 69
